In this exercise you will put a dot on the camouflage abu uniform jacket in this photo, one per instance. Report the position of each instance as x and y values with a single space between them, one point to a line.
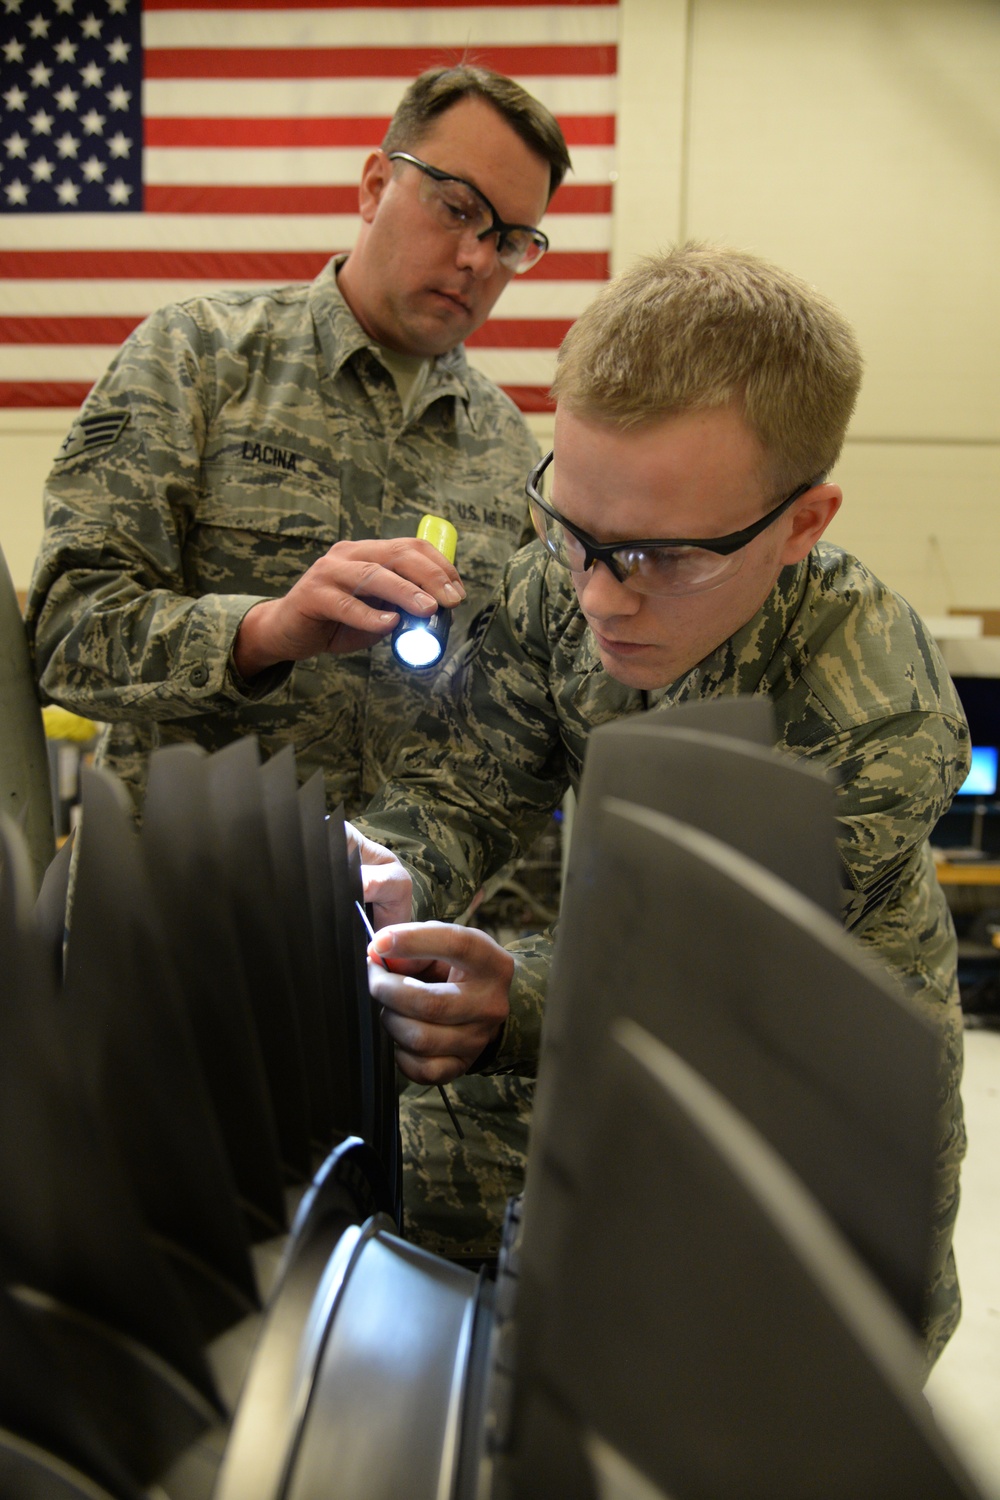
234 439
857 686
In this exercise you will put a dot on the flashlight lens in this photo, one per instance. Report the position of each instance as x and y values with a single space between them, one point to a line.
418 647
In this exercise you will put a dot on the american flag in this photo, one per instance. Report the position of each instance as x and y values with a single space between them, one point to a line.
149 152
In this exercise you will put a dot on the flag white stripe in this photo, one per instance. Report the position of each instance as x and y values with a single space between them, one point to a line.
303 232
321 98
30 362
515 366
21 419
136 299
321 233
87 362
430 26
261 165
257 166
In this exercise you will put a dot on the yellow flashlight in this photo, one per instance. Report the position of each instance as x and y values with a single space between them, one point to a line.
418 641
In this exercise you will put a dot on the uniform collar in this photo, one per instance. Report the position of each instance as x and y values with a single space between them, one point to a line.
342 338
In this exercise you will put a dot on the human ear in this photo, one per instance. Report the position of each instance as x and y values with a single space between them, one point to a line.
375 177
810 517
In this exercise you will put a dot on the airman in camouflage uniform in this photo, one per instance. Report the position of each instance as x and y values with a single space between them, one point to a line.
857 687
237 437
234 439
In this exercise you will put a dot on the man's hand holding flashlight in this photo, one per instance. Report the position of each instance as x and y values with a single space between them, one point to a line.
351 597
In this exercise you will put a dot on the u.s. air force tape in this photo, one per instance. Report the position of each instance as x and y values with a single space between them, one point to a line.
98 431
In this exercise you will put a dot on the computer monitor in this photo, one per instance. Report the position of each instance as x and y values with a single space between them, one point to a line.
967 830
980 698
982 778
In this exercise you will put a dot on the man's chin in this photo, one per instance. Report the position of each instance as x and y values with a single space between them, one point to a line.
445 313
436 336
645 676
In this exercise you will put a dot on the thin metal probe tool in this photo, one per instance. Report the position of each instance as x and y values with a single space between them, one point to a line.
377 959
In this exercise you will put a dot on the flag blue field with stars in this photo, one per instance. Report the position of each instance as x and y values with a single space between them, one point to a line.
71 107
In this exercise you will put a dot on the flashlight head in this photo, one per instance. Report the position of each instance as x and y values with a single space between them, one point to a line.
418 642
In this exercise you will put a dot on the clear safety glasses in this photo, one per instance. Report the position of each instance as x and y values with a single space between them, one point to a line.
666 566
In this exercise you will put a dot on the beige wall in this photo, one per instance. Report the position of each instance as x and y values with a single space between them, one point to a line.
28 441
859 144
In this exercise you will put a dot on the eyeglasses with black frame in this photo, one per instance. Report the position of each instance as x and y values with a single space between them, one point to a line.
666 566
459 206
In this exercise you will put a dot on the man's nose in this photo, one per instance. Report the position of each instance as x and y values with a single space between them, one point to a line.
479 255
603 595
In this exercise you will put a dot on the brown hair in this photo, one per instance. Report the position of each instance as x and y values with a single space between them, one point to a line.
702 326
437 90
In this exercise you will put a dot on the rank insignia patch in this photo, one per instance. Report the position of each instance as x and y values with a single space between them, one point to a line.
98 431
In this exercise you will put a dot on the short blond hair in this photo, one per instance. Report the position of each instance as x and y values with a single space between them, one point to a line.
703 326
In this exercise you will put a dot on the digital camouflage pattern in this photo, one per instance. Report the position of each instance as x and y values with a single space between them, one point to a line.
857 686
233 440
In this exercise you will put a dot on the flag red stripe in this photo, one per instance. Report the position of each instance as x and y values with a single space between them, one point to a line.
520 333
237 265
530 397
327 131
206 198
211 198
588 130
50 330
171 265
24 393
369 62
502 333
366 130
33 393
356 4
